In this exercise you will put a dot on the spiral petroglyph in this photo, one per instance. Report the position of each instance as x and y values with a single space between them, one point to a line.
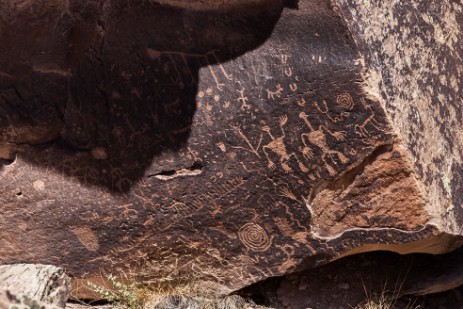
254 237
345 100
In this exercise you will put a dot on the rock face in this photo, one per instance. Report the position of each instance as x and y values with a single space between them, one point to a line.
415 67
44 283
229 144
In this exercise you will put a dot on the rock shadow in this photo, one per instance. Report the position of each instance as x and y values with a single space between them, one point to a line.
131 93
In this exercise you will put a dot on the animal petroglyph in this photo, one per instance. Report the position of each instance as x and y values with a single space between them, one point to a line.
318 138
361 129
254 237
275 94
277 146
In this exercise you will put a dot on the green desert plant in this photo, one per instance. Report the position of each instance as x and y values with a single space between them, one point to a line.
134 292
130 296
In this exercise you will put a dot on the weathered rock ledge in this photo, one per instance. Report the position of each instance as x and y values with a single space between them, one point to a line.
230 141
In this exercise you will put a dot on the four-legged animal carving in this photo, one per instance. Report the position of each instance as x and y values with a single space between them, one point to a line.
278 147
360 129
318 138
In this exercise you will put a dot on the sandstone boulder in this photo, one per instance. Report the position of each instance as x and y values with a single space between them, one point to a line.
10 301
45 283
229 145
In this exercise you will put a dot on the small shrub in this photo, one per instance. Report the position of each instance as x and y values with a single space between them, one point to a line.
131 296
384 299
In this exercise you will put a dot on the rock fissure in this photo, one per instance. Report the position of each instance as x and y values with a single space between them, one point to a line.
195 170
347 178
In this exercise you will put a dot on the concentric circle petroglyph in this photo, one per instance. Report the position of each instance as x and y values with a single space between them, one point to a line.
254 237
345 100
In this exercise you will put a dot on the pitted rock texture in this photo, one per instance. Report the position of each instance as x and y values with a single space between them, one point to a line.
415 68
231 145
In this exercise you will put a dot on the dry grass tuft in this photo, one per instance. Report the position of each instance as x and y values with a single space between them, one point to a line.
384 299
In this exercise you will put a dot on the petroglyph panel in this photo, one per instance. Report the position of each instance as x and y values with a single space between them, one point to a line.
234 145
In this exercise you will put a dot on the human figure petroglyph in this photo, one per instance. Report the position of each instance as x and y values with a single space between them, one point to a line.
360 129
278 147
243 100
318 138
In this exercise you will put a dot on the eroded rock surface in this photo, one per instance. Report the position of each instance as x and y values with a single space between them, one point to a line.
231 145
415 68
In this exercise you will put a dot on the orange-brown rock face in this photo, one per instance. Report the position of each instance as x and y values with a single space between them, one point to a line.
231 144
381 194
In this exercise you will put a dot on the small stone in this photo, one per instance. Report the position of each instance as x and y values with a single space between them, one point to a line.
45 283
